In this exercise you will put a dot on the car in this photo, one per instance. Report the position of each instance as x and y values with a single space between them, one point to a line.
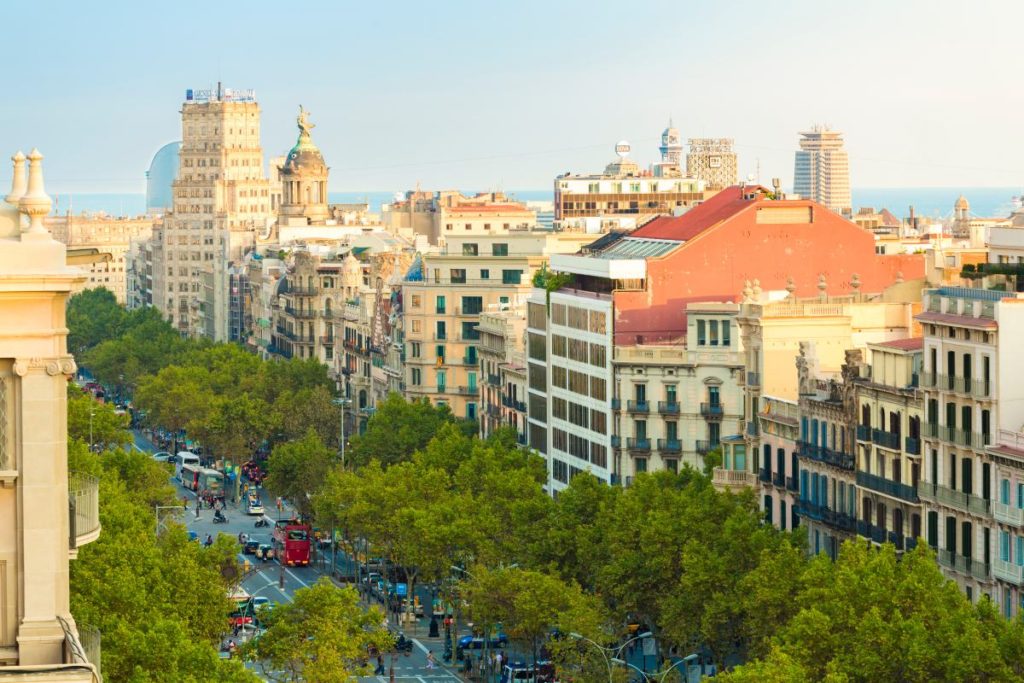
260 602
371 579
250 547
162 456
542 672
499 640
193 536
265 552
254 507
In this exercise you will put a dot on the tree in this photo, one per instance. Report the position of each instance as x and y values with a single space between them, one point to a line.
160 602
296 470
296 412
89 419
322 636
870 616
176 397
93 316
397 430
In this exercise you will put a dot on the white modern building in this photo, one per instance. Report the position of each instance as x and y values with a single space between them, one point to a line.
822 170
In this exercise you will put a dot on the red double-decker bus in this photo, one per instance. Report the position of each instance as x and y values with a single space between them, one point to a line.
291 542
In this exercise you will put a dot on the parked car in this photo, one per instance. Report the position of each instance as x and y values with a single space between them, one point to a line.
521 672
265 552
250 547
499 640
162 456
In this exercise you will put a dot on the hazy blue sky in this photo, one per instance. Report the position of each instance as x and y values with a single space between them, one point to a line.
506 95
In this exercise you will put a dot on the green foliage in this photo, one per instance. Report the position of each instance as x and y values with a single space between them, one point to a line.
159 602
871 617
93 316
109 430
397 429
297 469
322 636
712 459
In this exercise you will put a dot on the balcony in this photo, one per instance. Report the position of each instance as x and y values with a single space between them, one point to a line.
953 498
670 445
638 406
886 439
912 446
616 441
1008 571
888 487
964 565
753 429
1007 514
863 433
967 386
466 391
723 478
764 475
521 439
327 340
668 407
638 444
616 404
793 484
440 336
825 515
779 479
300 313
753 379
825 455
83 510
493 410
703 446
302 291
713 410
494 380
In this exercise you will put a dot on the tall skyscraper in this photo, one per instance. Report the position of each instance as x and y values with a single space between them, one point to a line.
221 198
822 171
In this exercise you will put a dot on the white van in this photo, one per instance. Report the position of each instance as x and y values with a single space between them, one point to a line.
184 458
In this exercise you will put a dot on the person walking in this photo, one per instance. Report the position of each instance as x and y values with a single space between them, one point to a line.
431 661
379 671
497 661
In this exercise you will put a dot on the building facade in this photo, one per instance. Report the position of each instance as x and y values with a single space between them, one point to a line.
221 200
713 161
103 235
503 371
47 511
822 170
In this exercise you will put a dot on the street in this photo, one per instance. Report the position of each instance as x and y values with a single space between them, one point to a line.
264 579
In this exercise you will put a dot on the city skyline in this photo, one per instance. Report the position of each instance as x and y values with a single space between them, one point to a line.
448 98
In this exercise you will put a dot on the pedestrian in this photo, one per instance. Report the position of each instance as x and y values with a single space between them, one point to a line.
379 671
431 662
497 661
184 501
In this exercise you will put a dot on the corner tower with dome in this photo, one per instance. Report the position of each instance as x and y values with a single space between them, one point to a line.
303 180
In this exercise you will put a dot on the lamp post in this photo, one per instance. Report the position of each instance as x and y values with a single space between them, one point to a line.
342 403
164 507
92 411
615 651
659 677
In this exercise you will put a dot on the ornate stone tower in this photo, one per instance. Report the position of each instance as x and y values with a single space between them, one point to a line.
43 519
304 179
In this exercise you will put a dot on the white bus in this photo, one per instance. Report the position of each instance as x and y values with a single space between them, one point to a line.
184 458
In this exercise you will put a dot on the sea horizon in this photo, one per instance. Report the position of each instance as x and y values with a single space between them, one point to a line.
928 202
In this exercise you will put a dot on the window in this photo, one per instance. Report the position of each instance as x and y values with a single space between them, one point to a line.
416 326
598 388
441 331
598 355
472 305
670 393
442 380
558 345
713 336
458 276
640 429
726 333
537 347
511 277
701 333
415 349
639 465
440 305
416 378
439 353
485 274
597 322
499 250
469 331
469 250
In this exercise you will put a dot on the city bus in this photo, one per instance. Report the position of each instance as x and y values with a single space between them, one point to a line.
202 480
184 458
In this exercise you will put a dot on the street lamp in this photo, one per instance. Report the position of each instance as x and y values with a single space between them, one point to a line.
342 403
165 507
615 651
659 677
92 411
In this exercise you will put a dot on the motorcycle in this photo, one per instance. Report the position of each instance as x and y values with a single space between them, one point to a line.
219 518
261 522
403 644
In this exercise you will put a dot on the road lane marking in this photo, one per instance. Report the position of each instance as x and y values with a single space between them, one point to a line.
292 574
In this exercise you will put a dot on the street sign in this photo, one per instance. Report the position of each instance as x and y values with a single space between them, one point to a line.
401 590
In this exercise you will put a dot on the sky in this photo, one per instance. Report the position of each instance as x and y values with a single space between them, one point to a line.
484 96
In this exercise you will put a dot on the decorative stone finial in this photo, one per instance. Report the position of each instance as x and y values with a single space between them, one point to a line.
822 286
855 283
748 292
18 181
35 203
791 286
757 290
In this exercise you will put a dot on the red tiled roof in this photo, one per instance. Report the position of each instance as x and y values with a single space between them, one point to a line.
909 344
1010 451
723 205
889 219
953 319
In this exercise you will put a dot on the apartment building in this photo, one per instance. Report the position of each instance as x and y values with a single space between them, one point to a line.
889 410
673 404
104 235
221 200
974 406
822 169
443 297
502 371
437 216
49 512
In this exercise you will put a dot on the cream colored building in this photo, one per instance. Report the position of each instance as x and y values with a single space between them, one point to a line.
221 203
46 512
674 403
107 235
502 371
443 298
822 169
449 213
